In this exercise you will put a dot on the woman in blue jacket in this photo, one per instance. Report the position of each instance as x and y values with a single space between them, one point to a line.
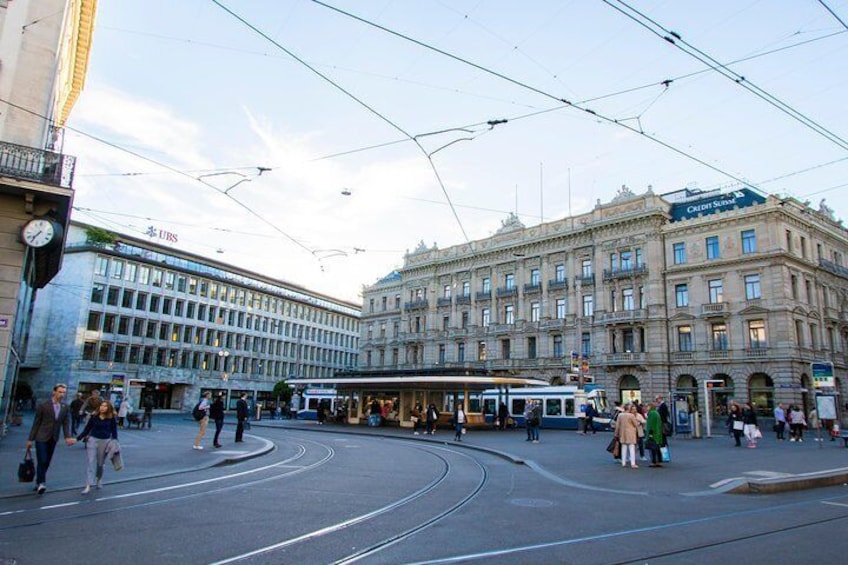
101 428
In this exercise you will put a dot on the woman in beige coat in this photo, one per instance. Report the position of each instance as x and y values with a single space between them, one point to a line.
626 430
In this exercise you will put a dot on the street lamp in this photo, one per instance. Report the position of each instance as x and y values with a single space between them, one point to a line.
223 354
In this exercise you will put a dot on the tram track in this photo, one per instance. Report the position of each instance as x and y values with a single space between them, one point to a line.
382 512
237 476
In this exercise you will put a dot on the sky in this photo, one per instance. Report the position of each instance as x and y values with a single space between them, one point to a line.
318 143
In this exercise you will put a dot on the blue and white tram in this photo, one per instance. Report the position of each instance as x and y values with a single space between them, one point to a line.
561 405
329 398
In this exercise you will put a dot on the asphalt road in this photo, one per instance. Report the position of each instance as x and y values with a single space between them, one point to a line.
384 496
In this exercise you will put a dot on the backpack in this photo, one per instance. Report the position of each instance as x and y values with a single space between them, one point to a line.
197 413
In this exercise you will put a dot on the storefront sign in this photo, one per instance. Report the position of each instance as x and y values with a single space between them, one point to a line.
715 203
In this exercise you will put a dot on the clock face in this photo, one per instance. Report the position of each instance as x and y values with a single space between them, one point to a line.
38 232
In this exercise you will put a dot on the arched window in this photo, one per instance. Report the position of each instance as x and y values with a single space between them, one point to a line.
761 393
630 389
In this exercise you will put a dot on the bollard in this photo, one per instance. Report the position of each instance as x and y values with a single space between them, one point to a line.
696 424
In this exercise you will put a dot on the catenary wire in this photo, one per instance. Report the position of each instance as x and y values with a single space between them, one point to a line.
832 13
677 41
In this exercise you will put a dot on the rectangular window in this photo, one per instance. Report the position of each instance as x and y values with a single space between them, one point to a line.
464 320
586 268
586 344
156 279
559 273
481 351
505 349
749 241
460 352
141 301
190 310
719 332
485 317
166 306
752 287
716 287
131 271
799 333
809 287
150 331
88 349
509 314
154 303
445 325
144 275
446 291
613 262
101 266
112 296
535 310
684 338
127 298
535 277
789 241
117 268
560 308
97 291
169 280
93 321
793 281
626 260
627 300
466 288
557 345
679 253
123 325
531 347
509 281
681 294
179 306
712 247
487 284
442 353
757 334
109 323
138 327
588 306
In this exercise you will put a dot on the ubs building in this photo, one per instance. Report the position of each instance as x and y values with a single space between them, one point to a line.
131 317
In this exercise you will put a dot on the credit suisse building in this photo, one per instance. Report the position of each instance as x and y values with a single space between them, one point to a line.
644 295
129 316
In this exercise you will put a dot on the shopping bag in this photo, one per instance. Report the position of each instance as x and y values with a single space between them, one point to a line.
665 453
26 469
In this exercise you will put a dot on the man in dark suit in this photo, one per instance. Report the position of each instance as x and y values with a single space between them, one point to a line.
242 413
50 417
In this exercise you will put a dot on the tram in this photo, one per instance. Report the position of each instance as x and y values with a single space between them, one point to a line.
561 405
332 401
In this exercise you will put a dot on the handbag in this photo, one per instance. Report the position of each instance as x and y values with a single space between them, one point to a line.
117 461
665 454
26 469
757 434
738 425
651 444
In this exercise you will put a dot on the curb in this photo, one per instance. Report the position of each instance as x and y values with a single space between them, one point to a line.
788 484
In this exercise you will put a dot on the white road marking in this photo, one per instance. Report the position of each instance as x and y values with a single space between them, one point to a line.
835 503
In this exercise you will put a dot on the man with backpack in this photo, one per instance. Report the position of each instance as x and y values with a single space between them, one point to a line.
201 414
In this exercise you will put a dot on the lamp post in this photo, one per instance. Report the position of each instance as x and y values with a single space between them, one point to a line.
223 354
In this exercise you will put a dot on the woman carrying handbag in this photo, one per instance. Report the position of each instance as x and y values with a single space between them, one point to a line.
101 428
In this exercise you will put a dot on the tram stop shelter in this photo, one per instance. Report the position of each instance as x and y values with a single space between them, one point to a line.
397 392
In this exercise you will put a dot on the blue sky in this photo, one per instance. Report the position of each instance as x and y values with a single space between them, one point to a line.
197 91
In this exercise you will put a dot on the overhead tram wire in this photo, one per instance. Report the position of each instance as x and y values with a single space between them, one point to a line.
247 208
832 13
567 103
359 101
674 38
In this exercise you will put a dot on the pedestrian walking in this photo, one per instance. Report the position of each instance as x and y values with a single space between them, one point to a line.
735 423
321 412
92 405
216 414
590 419
640 430
242 414
101 428
780 422
50 417
626 430
432 419
459 422
203 406
815 424
76 412
416 415
533 420
124 410
503 416
148 411
750 429
653 432
797 423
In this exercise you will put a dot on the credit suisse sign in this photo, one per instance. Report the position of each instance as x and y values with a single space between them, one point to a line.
741 198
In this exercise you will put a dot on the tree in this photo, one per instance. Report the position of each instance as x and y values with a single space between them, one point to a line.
99 237
282 391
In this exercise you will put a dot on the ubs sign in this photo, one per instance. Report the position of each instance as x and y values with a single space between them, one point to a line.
715 203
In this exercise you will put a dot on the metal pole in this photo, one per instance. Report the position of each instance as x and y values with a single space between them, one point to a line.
709 434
